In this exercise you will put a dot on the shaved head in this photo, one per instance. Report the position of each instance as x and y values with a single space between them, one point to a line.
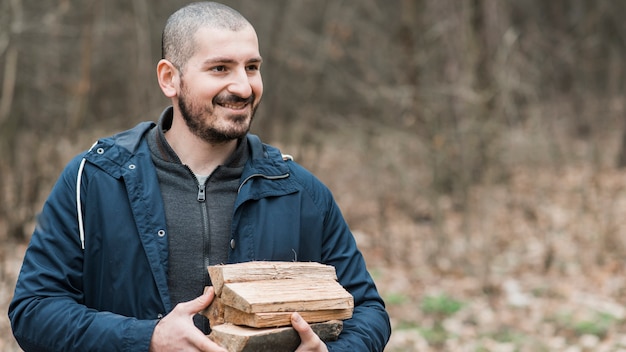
178 43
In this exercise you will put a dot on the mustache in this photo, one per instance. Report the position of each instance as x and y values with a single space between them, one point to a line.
233 99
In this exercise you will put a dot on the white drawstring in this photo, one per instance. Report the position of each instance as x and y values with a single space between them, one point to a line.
79 208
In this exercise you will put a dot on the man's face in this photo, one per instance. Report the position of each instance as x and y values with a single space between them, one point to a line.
221 85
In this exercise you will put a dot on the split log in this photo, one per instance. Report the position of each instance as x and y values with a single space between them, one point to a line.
286 339
260 270
286 295
263 320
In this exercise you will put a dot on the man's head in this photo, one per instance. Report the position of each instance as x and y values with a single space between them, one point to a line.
182 25
210 70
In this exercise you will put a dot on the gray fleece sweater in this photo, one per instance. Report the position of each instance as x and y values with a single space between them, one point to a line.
198 215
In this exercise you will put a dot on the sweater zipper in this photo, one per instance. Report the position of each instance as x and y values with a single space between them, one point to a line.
201 193
206 241
205 226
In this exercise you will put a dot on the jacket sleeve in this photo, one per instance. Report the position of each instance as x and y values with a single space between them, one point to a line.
47 312
369 328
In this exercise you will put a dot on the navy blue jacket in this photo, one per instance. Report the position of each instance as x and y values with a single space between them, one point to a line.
94 275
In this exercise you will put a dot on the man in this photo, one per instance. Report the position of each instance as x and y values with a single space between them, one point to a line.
118 258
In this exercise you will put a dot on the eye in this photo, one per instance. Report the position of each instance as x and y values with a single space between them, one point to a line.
220 68
252 68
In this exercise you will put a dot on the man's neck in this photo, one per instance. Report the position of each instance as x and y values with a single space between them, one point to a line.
199 155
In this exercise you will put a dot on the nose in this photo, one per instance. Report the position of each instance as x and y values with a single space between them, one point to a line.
240 84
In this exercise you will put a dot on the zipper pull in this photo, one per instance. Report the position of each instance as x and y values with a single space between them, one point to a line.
201 196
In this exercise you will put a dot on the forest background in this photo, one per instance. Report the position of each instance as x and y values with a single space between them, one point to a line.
475 147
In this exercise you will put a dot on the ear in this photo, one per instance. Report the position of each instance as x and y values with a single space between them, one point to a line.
168 77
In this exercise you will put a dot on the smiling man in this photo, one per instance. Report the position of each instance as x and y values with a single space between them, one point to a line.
118 259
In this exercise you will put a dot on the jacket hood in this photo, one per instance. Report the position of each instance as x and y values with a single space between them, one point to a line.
112 153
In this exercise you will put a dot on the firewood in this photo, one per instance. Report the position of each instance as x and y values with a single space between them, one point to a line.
286 339
263 320
286 295
261 270
254 302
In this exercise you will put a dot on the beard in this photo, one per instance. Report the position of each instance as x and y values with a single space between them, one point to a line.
203 121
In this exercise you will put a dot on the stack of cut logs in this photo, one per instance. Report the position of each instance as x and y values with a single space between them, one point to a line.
254 302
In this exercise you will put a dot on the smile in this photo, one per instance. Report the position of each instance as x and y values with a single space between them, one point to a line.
234 106
234 102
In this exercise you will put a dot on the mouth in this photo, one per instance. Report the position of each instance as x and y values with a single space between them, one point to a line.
234 102
234 106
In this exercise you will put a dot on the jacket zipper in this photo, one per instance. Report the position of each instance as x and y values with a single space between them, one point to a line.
278 177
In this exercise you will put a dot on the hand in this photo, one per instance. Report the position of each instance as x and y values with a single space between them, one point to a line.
309 341
176 331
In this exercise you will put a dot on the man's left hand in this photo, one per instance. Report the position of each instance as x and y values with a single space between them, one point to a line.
310 342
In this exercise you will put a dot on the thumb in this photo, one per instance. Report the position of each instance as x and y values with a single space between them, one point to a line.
309 341
199 303
302 327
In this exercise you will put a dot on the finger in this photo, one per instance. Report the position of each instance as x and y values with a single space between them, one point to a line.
199 303
304 329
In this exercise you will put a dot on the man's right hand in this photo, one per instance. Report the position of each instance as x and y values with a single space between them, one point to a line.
176 331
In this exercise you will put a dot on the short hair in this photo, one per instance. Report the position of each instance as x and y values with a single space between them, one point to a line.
177 42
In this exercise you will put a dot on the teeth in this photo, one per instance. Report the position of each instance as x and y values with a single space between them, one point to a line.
234 107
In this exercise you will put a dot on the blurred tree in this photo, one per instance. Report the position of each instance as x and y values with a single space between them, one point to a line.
451 75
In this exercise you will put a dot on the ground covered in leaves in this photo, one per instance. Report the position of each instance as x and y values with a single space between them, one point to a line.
553 275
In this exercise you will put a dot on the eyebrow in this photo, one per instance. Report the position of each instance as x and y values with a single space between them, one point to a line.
227 60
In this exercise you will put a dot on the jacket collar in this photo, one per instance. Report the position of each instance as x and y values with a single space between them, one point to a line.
264 159
113 152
